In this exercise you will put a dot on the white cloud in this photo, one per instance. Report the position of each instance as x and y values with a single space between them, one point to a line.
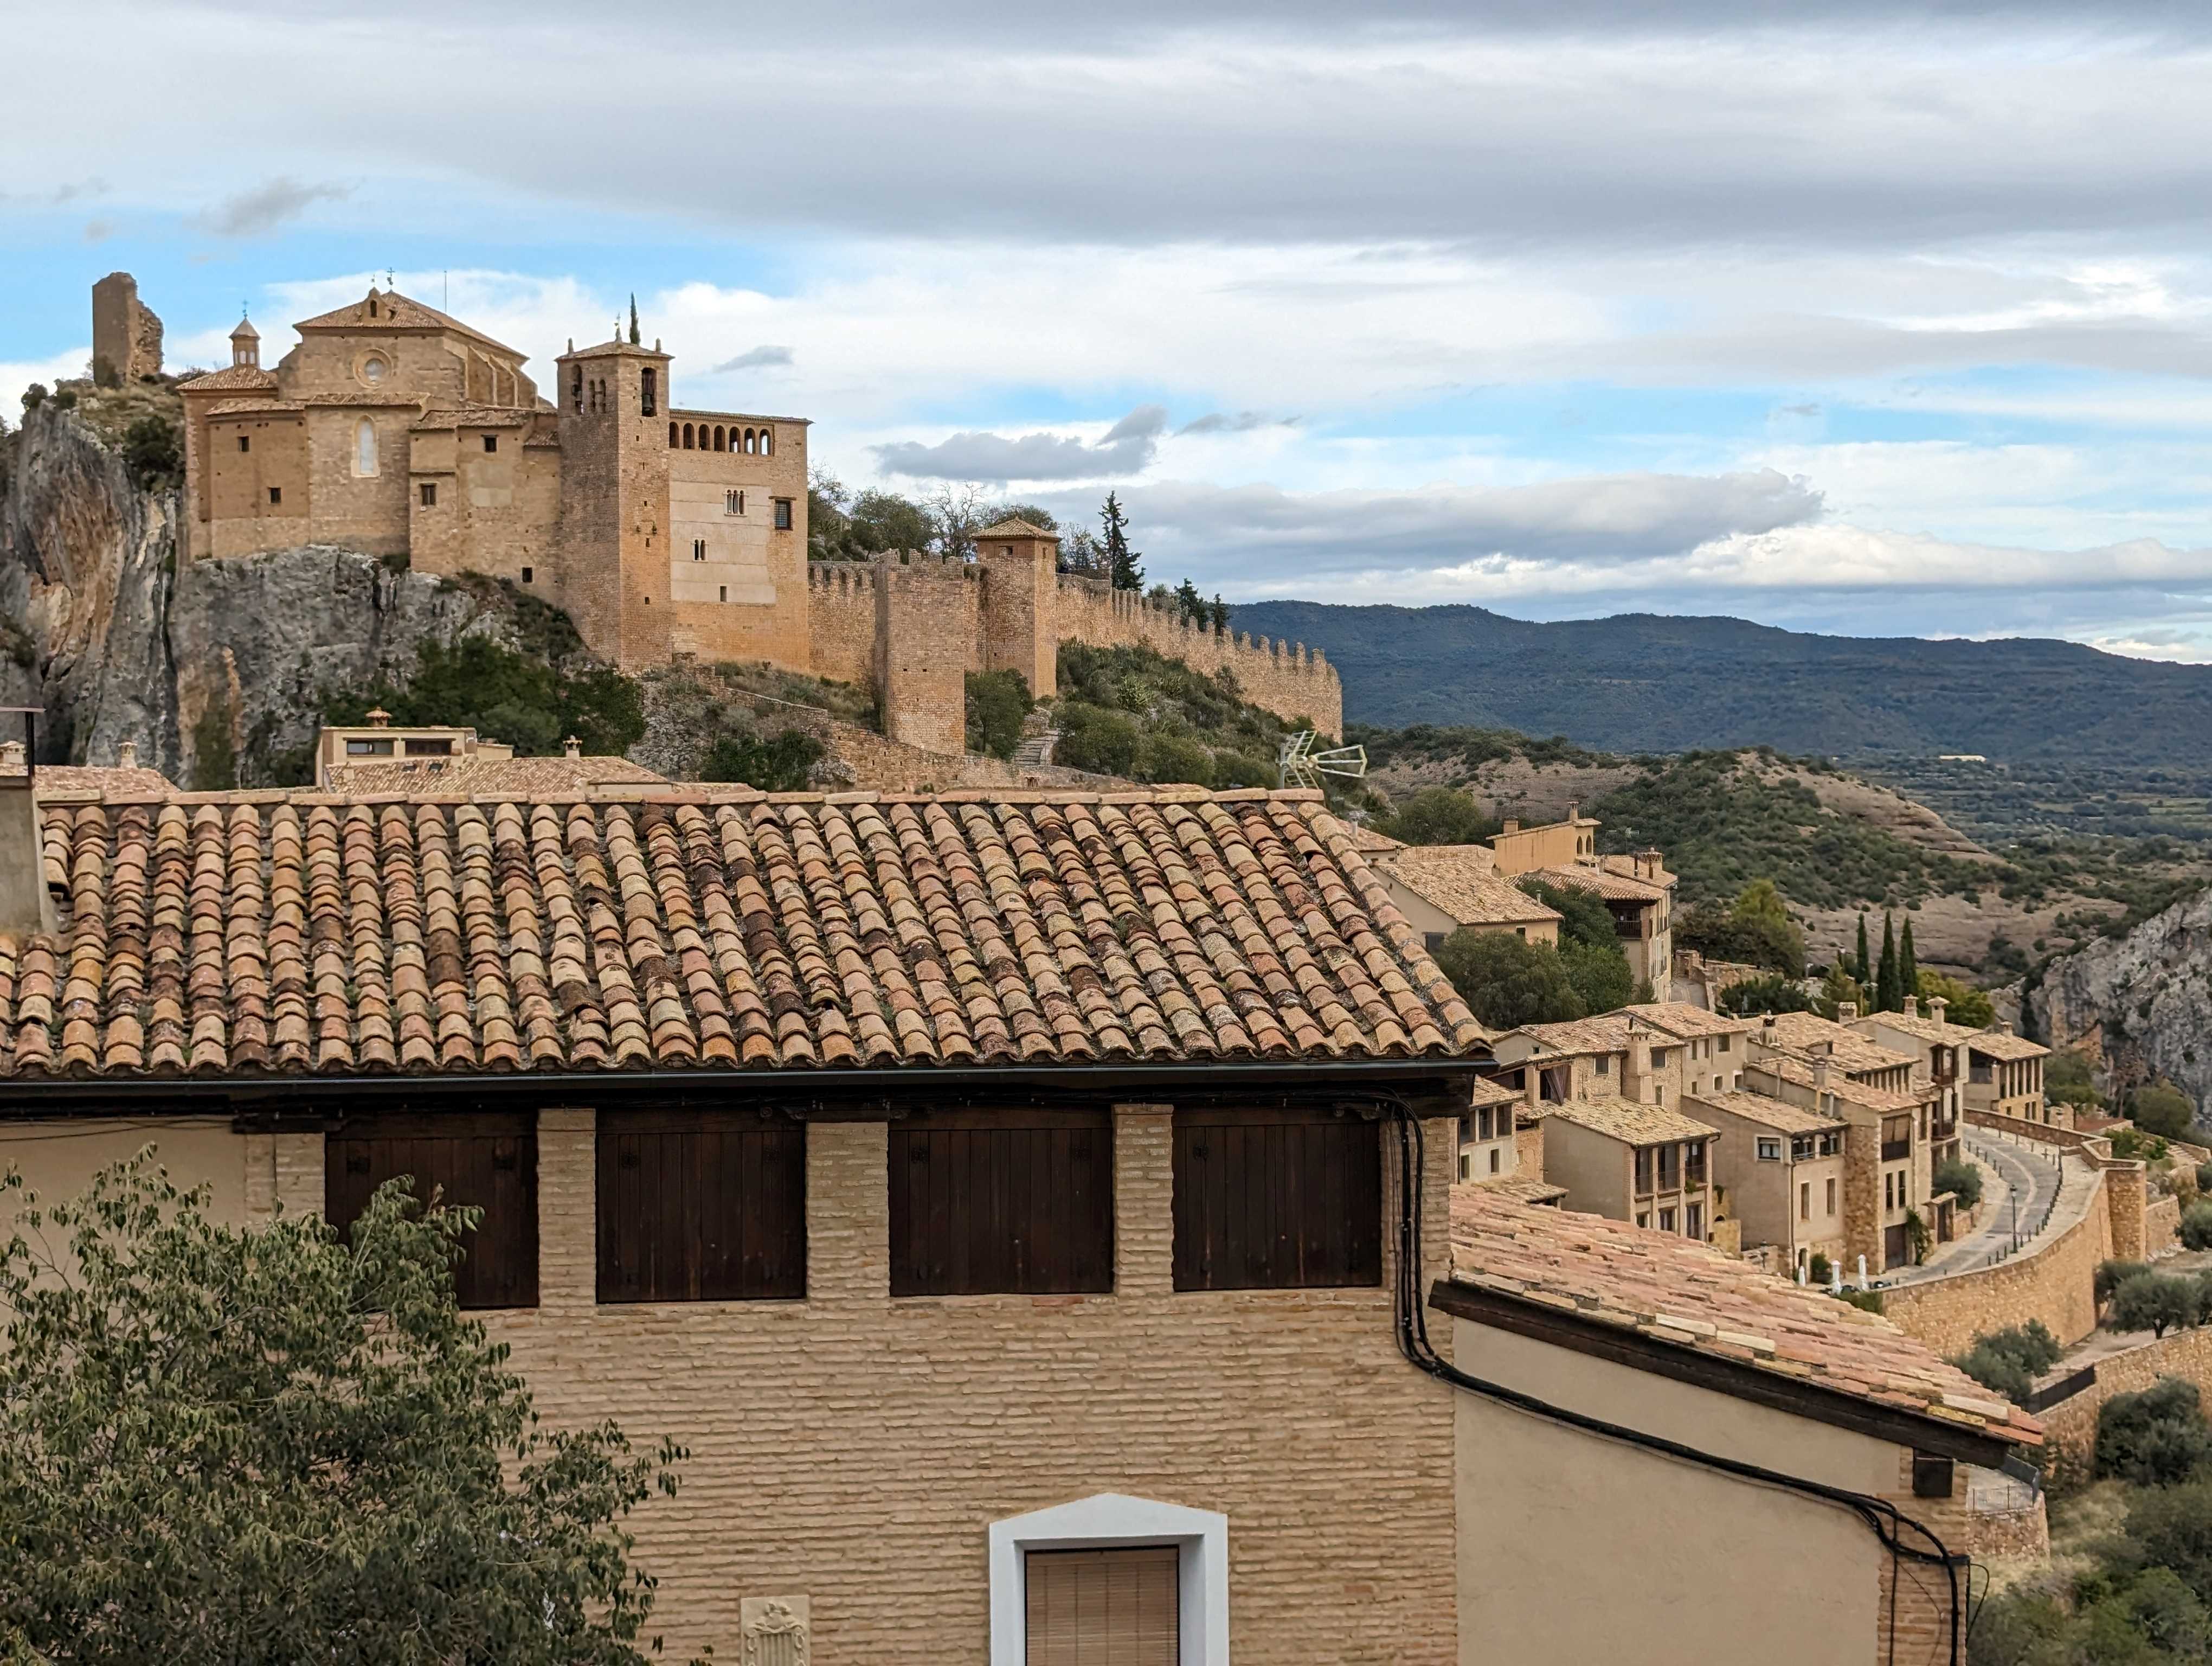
17 376
266 208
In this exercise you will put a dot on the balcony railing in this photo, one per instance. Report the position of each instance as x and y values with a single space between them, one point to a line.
1896 1150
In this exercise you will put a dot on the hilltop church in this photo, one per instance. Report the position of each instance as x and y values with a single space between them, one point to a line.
662 530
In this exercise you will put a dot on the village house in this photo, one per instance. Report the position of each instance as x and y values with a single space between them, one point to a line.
1782 1167
1443 889
1603 1547
1940 1052
1637 890
2005 1077
1632 1161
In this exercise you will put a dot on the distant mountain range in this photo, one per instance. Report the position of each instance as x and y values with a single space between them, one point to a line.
1646 683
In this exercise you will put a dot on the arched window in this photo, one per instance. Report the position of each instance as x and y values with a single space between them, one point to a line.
576 388
753 442
687 436
722 441
364 447
767 442
672 436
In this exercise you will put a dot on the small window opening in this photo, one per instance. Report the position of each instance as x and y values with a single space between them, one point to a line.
576 388
275 494
244 443
725 595
733 503
767 441
698 549
672 436
491 442
527 573
688 446
783 514
721 438
648 401
430 494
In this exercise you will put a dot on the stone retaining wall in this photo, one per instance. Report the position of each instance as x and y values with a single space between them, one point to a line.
2071 1425
2054 1281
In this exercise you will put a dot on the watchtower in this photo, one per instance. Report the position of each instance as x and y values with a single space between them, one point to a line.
1021 592
126 336
613 534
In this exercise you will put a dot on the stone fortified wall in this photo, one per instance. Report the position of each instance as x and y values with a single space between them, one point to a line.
1286 678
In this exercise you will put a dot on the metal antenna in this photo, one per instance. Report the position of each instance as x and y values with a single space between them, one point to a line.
1298 764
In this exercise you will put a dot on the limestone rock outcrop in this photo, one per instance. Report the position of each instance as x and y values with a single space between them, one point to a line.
2139 1006
100 626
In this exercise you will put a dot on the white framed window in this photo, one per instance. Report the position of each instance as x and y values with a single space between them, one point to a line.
1770 1150
1115 1521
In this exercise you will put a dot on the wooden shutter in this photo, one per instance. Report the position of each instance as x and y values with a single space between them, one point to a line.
1103 1608
1276 1200
989 1201
486 1159
700 1206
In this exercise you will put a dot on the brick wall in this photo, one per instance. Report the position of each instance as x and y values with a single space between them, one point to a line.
1286 678
2054 1281
855 1449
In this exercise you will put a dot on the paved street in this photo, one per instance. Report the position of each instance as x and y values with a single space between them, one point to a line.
2037 1179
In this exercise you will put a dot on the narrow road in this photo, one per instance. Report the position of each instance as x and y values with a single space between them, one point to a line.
2035 1179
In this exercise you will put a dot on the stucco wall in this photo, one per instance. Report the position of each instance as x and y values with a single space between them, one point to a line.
1575 1548
2054 1281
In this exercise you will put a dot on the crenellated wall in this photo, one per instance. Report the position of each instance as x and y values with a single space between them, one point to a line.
840 621
1287 678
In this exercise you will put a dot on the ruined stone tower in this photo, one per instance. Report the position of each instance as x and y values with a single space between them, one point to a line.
126 336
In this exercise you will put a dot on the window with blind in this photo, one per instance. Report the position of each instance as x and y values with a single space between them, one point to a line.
1103 1608
1276 1200
700 1206
483 1160
986 1202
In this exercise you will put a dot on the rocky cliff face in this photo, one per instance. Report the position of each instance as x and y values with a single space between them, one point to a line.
219 660
2140 1003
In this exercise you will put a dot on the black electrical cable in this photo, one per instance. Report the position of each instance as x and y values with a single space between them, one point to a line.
1884 1519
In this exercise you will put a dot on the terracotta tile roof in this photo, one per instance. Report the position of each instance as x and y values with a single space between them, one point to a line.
1677 1291
472 416
1575 1038
1628 1121
397 311
1926 1028
266 404
109 781
1522 1188
1764 1110
1459 880
1368 840
1611 887
1682 1021
231 375
1014 526
1809 1034
2006 1047
518 777
1799 1073
623 927
1489 1091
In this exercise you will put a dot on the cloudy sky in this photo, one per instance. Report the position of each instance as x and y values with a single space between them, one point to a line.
1888 318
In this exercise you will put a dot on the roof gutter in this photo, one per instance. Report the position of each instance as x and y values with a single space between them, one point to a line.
894 1088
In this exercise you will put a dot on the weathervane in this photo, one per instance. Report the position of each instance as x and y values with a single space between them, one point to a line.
1298 764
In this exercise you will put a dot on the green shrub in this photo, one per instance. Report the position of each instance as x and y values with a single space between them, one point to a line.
1093 738
1508 981
2162 1109
34 396
1962 1179
1996 1371
2204 1177
2157 1438
2155 1302
1166 757
2133 1142
2066 1080
154 451
2111 1274
2197 1226
2009 1361
998 701
1819 1269
1438 815
1242 770
1870 1300
781 764
1770 993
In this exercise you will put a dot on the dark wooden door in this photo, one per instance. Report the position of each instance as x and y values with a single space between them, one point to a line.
488 1160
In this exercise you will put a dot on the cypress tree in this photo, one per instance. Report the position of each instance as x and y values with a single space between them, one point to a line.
1120 560
1865 971
1908 966
1887 995
634 338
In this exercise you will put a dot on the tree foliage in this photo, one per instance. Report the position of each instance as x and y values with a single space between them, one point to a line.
1755 930
1770 992
259 1445
1963 1003
1124 566
781 762
2162 1109
998 701
1961 1179
2155 1302
1589 947
1438 815
1507 981
154 451
2156 1438
521 698
2009 1361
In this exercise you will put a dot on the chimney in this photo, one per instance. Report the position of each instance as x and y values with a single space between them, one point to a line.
1512 826
126 756
1936 1006
380 718
1912 1006
1574 812
1846 1011
1821 1074
1636 1069
26 904
571 747
2001 1026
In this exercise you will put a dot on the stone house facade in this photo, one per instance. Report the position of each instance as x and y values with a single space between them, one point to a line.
662 530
